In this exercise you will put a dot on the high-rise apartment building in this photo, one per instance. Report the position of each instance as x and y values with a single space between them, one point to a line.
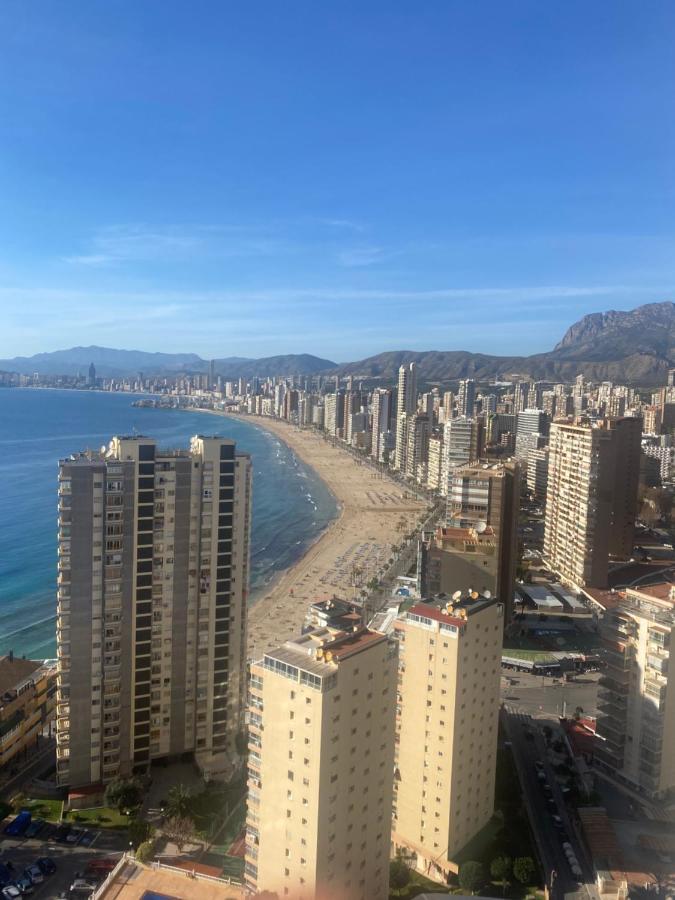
466 397
529 422
537 472
446 728
462 443
406 404
636 721
435 462
151 614
417 437
477 549
591 498
321 754
381 414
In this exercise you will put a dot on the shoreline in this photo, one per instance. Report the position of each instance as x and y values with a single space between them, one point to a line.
373 512
255 596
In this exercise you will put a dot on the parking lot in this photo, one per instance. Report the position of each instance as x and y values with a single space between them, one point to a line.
70 859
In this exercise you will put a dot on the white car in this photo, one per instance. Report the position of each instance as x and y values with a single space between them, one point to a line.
10 892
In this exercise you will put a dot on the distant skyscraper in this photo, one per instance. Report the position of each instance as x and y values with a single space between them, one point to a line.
212 374
417 436
92 374
462 443
529 421
381 414
466 397
151 613
591 499
320 765
446 729
406 403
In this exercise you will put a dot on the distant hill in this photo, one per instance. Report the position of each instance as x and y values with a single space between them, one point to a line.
111 363
637 346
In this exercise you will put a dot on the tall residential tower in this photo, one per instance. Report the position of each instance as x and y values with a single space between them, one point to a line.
151 614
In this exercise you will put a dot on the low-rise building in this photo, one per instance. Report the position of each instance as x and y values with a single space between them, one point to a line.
27 703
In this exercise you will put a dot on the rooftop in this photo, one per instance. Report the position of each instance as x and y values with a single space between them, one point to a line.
319 651
13 671
136 882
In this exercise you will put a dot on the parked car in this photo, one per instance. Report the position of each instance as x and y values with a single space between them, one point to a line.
46 864
10 892
24 884
557 821
61 834
35 828
75 835
34 872
18 826
5 875
82 887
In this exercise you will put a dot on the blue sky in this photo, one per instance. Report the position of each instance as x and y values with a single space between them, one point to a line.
336 178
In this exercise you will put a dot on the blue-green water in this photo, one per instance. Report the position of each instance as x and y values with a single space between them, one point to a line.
291 505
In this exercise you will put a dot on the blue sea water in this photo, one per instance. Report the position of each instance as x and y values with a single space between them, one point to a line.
291 505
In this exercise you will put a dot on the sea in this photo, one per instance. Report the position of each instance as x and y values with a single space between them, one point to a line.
291 505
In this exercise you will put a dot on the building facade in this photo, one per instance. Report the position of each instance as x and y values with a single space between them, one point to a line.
151 614
27 704
636 721
446 728
321 753
591 497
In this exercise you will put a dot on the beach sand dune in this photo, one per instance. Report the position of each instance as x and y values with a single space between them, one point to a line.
375 513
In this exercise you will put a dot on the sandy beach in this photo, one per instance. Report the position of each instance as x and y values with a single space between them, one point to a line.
374 515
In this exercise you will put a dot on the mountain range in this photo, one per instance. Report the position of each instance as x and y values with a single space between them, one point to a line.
635 346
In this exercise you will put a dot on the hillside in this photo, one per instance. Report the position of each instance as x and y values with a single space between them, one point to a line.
111 363
637 346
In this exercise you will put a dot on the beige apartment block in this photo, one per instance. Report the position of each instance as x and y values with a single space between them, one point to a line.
635 698
321 754
591 498
446 728
151 607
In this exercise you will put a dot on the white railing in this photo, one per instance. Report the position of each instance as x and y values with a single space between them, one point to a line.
191 873
110 877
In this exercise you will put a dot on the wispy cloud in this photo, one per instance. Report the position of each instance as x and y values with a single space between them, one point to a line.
355 257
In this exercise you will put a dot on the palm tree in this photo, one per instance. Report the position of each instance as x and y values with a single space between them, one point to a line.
179 803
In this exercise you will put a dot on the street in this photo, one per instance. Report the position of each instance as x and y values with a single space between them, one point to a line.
539 696
528 747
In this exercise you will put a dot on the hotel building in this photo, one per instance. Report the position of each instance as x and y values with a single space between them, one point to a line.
27 703
446 728
321 754
151 614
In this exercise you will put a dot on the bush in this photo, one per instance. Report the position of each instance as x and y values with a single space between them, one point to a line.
140 832
145 851
524 869
399 874
471 876
500 869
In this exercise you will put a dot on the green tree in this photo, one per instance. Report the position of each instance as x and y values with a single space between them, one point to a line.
524 869
179 802
124 793
471 876
399 874
500 869
140 832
